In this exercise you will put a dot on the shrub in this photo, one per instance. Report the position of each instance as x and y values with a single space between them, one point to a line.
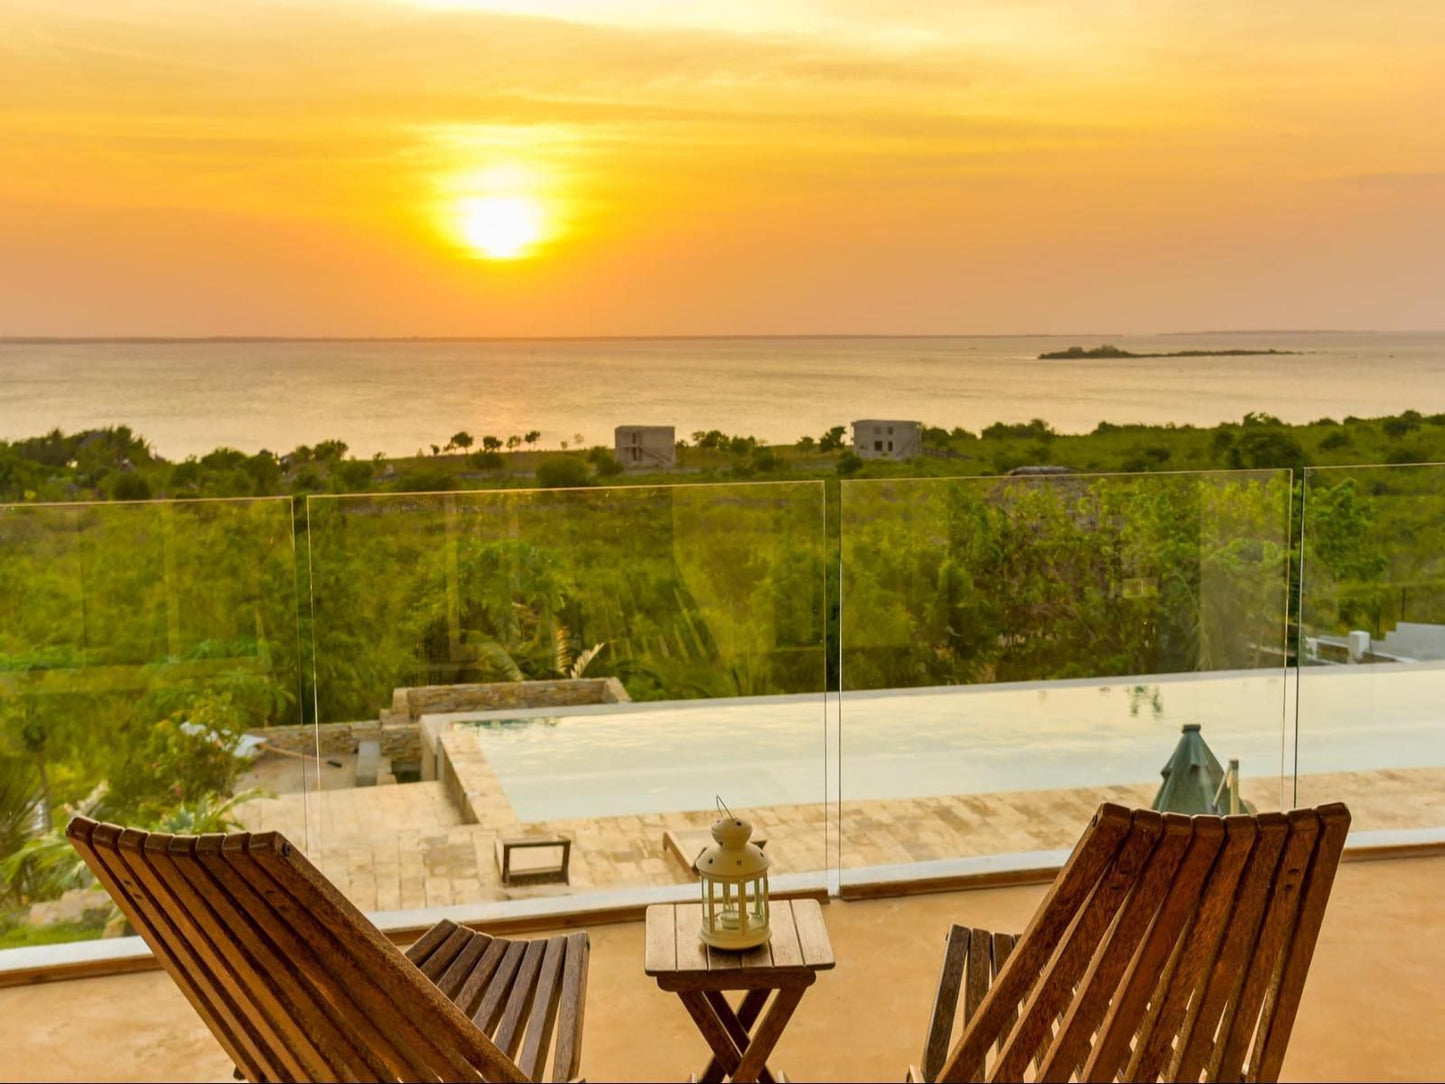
308 480
849 463
126 486
184 758
1150 457
186 474
223 459
265 473
562 472
1406 454
486 461
353 474
424 480
1263 446
1038 428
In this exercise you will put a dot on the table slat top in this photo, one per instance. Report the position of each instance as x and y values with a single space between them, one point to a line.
799 942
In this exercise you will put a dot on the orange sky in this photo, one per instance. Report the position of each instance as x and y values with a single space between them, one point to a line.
313 167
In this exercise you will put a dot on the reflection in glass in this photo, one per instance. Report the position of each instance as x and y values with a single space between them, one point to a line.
148 651
595 664
1015 650
1372 644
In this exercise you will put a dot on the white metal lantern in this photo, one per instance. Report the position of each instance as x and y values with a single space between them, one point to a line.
734 876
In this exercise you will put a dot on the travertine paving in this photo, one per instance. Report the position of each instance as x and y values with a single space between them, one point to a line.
404 846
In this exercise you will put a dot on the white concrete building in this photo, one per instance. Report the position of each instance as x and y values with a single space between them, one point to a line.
646 447
887 439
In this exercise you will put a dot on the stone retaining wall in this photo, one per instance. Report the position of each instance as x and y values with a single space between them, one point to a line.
399 741
410 704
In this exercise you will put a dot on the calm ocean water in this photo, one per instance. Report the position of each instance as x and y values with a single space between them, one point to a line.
398 397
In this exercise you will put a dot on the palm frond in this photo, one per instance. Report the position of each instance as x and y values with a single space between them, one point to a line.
579 667
500 659
562 647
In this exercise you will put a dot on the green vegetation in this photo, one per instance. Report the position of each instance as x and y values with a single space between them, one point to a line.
52 933
1076 352
115 464
138 641
1018 579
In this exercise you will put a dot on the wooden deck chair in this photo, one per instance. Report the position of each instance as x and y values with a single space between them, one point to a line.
1169 947
296 984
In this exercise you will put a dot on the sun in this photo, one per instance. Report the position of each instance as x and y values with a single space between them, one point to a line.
499 227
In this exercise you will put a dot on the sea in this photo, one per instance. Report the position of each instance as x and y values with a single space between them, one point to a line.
399 397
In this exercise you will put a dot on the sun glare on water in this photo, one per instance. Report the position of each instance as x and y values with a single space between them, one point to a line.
499 227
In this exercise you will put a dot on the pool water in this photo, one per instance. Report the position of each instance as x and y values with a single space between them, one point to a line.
654 758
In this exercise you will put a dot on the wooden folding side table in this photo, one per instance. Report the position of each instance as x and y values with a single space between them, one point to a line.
699 975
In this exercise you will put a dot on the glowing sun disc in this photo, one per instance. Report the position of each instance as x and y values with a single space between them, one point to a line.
499 227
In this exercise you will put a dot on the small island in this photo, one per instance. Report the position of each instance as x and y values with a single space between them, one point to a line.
1075 352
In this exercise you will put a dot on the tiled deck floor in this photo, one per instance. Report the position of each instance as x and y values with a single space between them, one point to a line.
1371 1010
403 846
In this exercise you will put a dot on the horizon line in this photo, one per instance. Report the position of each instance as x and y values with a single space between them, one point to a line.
41 340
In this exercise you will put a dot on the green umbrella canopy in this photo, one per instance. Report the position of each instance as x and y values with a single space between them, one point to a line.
1191 778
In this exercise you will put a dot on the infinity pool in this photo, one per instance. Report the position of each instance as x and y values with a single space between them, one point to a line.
622 759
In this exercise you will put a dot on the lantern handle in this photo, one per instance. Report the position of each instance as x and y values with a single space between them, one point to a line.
722 808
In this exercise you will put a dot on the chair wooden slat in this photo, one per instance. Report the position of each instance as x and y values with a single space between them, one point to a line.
978 979
1282 1001
275 950
438 962
945 1000
262 1014
97 846
1275 935
405 1049
1051 993
1135 1009
567 1058
1073 886
494 1002
479 981
544 1009
296 984
1251 943
1240 874
1099 985
508 1035
416 1002
207 971
430 941
1167 947
462 968
301 1033
1003 944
